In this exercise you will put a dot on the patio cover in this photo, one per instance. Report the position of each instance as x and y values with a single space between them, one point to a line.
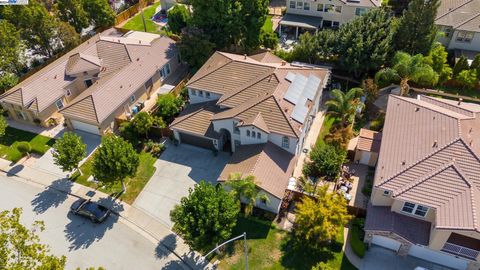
301 21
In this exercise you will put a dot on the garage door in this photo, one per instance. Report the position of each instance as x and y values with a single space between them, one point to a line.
196 140
437 257
386 242
365 159
85 127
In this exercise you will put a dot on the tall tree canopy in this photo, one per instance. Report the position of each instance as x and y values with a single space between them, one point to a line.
20 246
416 28
195 47
178 18
253 14
99 13
206 216
460 65
365 43
319 220
437 59
72 11
345 105
68 151
245 188
11 48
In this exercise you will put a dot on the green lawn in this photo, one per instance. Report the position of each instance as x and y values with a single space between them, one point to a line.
8 143
136 23
134 184
326 126
268 25
271 248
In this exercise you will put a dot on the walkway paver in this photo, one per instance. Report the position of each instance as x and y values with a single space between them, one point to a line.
128 213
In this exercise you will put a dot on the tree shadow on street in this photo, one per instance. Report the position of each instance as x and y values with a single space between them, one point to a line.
15 170
112 204
52 196
81 232
165 246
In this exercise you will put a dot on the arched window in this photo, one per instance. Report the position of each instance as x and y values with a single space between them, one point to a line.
285 142
253 134
259 135
248 133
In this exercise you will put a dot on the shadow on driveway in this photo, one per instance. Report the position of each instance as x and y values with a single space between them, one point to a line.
15 170
51 196
81 232
168 242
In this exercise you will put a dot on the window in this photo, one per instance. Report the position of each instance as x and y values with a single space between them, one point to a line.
149 83
386 193
464 36
447 31
299 5
320 7
285 142
415 209
167 68
200 93
68 92
253 134
335 24
306 6
207 94
165 71
263 199
259 135
237 143
132 98
328 8
59 104
338 9
292 4
236 130
360 11
248 133
88 83
193 91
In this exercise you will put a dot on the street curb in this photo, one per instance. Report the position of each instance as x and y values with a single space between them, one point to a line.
8 174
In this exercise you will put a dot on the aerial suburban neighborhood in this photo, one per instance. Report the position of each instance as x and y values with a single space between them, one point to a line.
240 134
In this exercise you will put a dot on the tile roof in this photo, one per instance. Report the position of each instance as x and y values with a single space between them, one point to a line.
380 218
257 121
267 57
80 62
196 119
271 165
459 14
369 140
429 155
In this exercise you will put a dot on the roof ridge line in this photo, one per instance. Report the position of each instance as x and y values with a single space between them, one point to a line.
245 86
94 108
80 54
248 106
450 11
418 161
201 77
258 158
195 113
467 20
431 109
441 100
286 118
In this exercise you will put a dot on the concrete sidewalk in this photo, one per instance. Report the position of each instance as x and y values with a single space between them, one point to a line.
138 220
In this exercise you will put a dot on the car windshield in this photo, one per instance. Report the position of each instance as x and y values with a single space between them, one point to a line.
95 209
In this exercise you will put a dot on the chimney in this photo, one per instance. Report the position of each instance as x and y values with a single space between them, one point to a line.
460 101
284 63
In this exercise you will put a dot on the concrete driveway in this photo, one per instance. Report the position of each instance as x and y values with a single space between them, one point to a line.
378 258
114 244
178 169
45 162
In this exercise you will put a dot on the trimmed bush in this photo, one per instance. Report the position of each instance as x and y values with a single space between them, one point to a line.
24 147
356 237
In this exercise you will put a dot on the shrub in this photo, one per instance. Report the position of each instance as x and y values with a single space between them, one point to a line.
356 237
325 160
269 39
178 18
377 124
154 148
24 147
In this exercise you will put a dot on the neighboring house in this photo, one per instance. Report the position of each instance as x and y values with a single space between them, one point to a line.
103 81
426 195
459 22
258 107
368 146
311 15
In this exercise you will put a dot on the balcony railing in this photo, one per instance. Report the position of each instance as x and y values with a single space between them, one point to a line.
460 251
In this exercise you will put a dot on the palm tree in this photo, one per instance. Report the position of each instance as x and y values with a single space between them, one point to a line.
407 68
245 188
345 105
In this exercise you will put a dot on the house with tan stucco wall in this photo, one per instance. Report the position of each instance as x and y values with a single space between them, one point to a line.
426 193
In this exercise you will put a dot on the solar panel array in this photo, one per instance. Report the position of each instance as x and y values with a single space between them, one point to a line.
300 90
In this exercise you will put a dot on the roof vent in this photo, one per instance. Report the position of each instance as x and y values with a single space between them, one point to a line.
434 118
435 144
471 142
460 101
417 109
470 131
403 163
138 59
121 86
284 63
55 76
119 41
245 56
139 42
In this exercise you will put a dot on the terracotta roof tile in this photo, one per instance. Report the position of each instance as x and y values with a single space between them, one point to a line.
369 140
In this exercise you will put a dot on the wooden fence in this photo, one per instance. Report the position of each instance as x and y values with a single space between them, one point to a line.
131 11
443 94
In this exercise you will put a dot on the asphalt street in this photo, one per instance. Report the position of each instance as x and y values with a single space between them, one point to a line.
112 244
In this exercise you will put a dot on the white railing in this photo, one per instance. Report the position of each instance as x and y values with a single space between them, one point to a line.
460 251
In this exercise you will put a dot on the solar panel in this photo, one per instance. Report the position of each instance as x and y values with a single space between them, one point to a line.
311 87
290 76
295 89
300 111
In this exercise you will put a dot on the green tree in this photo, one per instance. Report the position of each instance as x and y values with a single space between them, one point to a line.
20 246
365 43
68 36
252 16
25 148
476 65
407 68
195 47
326 43
325 160
143 122
345 105
68 151
467 78
100 13
416 28
11 48
206 216
7 81
114 160
322 266
461 65
245 188
437 59
269 39
3 125
178 18
319 220
370 88
168 106
72 11
305 49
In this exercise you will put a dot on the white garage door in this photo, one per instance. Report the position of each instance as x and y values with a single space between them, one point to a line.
437 257
85 127
365 159
386 242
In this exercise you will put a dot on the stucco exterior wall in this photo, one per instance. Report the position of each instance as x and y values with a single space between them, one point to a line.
277 139
195 97
398 205
245 140
474 45
379 199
